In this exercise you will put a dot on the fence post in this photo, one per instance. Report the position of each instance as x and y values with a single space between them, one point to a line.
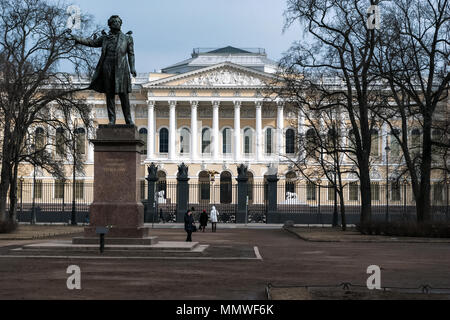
272 215
404 200
152 178
242 180
182 192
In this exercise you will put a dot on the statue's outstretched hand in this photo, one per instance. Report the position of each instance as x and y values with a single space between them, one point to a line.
133 72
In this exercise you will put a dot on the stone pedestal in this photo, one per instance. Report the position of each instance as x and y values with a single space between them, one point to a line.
116 185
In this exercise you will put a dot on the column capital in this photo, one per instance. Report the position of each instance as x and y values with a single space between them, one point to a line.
215 104
280 104
172 104
151 103
258 104
194 103
237 103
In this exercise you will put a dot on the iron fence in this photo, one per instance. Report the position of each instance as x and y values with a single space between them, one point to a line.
301 203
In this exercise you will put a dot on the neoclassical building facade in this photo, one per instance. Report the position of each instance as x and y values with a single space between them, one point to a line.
211 112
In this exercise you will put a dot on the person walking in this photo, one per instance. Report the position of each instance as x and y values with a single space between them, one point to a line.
213 216
203 220
189 225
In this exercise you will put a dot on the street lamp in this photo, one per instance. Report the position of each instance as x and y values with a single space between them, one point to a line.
387 149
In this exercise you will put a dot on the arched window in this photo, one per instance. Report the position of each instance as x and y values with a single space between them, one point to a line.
225 187
269 140
226 141
204 185
248 141
395 146
415 142
311 142
375 146
39 138
143 136
80 136
185 141
60 140
290 141
291 178
206 140
163 140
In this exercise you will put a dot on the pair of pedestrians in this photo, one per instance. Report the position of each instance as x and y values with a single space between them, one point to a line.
189 223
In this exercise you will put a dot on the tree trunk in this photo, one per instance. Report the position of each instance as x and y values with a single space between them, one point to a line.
366 197
423 200
13 194
5 175
342 209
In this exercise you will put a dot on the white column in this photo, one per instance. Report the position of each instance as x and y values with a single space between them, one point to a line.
280 127
133 113
259 135
172 130
237 130
194 130
215 130
150 129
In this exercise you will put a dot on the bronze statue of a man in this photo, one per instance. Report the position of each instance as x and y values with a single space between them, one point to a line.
112 75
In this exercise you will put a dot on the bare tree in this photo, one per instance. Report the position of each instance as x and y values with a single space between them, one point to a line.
413 60
340 46
33 44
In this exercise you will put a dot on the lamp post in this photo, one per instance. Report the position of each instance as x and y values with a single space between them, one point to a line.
73 219
387 149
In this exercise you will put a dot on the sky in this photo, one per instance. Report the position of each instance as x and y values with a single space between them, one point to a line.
166 31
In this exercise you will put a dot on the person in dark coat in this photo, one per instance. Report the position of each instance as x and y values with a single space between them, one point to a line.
189 225
203 220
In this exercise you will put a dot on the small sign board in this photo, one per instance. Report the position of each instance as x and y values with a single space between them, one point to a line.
101 230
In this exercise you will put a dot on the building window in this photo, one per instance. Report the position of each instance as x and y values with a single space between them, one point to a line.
59 189
375 146
143 136
185 138
438 191
269 141
310 191
164 140
80 138
248 138
415 142
395 191
353 192
395 145
79 189
331 193
38 189
60 140
162 183
204 186
290 141
291 178
375 192
225 187
39 138
226 141
206 140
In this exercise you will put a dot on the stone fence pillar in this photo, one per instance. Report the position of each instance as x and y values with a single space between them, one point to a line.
182 192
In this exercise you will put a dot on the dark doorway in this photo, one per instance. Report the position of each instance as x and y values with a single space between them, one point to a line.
226 192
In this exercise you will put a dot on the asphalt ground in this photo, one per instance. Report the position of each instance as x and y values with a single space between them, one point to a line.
286 261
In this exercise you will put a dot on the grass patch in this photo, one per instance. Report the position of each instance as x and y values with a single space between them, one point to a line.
8 226
406 229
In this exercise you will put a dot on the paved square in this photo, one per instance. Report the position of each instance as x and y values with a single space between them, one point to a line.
286 260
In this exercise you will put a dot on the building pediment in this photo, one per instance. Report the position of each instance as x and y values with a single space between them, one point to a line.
223 75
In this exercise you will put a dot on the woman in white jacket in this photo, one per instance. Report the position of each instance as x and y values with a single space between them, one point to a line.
213 217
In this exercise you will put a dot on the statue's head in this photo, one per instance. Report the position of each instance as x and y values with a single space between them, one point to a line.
115 22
